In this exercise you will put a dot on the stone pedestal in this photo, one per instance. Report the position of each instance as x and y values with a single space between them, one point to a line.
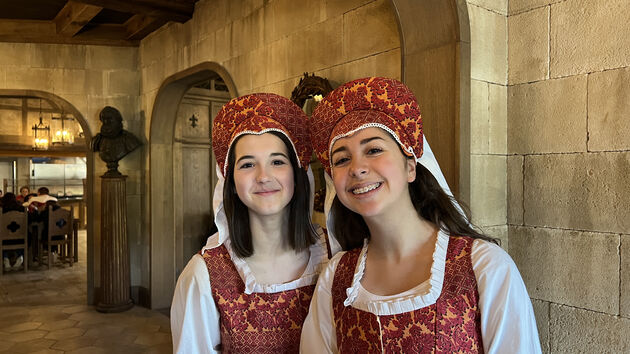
115 282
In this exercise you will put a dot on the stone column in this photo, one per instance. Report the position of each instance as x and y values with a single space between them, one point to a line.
115 282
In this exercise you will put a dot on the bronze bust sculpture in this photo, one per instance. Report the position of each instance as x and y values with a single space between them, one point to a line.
113 142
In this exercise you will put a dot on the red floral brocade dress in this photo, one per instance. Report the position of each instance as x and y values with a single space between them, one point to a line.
256 322
451 325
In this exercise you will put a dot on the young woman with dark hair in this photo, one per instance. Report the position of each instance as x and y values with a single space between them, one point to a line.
249 288
415 277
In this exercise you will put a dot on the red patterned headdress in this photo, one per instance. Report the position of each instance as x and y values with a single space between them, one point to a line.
370 102
257 114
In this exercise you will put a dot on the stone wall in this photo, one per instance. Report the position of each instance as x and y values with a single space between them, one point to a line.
266 46
89 78
568 168
488 116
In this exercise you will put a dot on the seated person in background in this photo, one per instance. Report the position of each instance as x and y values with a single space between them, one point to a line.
41 198
24 191
43 217
9 203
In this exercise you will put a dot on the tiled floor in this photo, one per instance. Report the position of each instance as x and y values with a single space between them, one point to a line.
44 311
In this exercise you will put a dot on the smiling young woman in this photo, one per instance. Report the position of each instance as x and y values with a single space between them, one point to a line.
249 288
415 277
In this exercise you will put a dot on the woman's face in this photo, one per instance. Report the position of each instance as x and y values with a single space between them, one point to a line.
263 175
370 173
24 192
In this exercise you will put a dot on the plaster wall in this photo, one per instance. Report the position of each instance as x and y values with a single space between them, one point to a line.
89 78
568 146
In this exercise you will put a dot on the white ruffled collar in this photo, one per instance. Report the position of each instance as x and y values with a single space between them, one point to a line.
316 263
408 300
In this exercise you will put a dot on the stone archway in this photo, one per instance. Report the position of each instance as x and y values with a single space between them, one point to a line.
435 64
162 189
68 107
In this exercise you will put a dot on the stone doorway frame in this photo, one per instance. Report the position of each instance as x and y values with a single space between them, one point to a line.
435 64
162 189
89 187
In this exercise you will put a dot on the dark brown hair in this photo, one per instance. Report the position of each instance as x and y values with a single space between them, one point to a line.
431 204
301 231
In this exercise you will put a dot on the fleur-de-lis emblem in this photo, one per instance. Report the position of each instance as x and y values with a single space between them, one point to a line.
13 226
60 223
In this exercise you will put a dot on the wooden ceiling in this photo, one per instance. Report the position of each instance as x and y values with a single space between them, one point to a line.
102 22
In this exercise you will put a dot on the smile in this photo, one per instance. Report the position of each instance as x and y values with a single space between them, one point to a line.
263 193
367 188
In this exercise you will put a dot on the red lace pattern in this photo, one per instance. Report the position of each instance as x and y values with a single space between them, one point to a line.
451 325
258 322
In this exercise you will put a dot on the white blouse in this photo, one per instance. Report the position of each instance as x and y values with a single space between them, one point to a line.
508 324
194 315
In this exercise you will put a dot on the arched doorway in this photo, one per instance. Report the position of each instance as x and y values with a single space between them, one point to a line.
167 249
435 64
65 106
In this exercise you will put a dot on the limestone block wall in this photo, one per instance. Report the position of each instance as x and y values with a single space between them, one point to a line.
568 168
268 45
89 77
488 116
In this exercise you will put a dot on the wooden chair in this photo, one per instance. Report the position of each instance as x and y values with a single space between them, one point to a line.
14 226
60 233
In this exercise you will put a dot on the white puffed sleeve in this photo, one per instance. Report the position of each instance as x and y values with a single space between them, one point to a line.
318 331
194 315
508 324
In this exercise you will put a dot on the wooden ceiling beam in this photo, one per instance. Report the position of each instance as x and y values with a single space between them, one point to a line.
32 31
168 10
139 26
73 17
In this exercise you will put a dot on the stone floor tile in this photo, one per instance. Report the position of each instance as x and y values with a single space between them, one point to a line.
48 351
11 321
144 329
4 337
90 350
53 325
31 346
153 339
74 343
104 331
77 308
66 333
89 317
160 349
5 345
11 311
117 340
50 317
21 327
27 335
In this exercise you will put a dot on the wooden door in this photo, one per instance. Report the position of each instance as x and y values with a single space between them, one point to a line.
195 170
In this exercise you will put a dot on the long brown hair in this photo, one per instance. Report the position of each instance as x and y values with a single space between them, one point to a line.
429 200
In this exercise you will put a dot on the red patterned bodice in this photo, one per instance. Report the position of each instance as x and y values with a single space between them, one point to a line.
257 322
451 325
